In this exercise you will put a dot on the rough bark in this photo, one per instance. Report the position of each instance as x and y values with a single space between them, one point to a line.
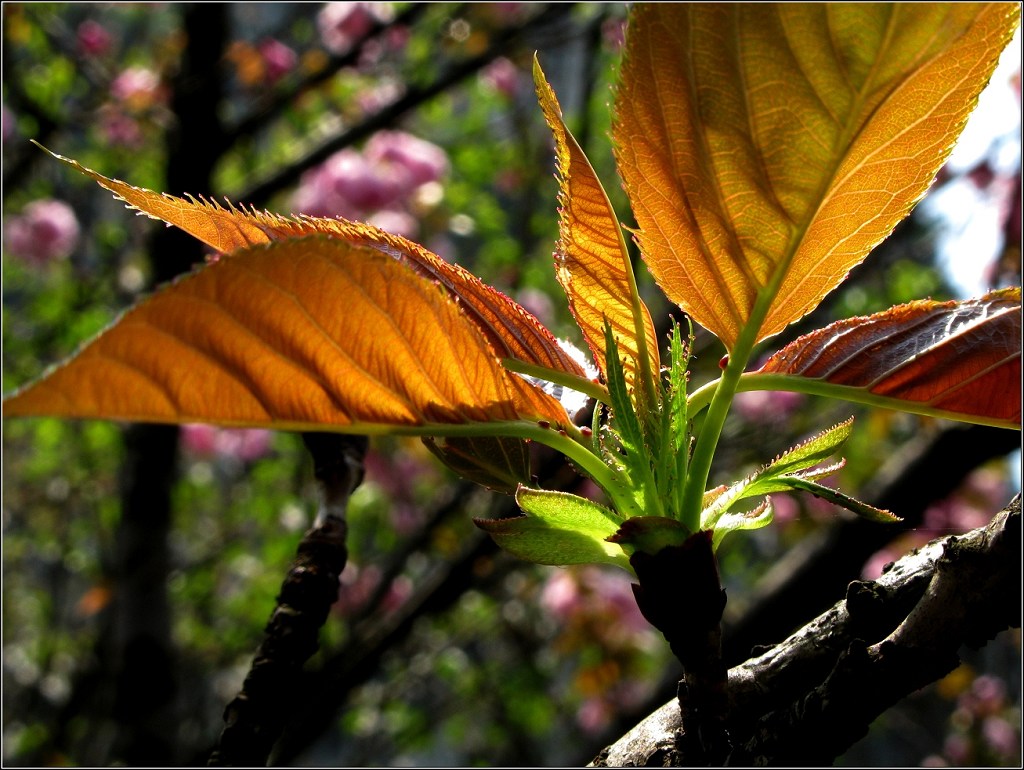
808 699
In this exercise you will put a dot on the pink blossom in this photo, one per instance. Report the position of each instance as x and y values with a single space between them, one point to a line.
613 32
594 715
503 76
872 569
358 584
93 38
45 231
418 160
379 95
137 88
119 128
396 222
538 303
278 59
342 24
767 405
1000 736
600 595
958 749
786 507
244 444
375 185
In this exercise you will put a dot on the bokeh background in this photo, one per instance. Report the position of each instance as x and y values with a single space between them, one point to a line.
140 564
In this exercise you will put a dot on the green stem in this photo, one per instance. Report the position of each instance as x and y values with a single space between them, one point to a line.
701 397
707 442
573 382
604 476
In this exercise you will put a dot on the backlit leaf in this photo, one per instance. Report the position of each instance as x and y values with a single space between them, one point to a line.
558 529
514 332
311 333
591 261
767 148
957 359
496 462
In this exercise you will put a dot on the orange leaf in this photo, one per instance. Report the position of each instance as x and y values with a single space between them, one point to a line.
514 332
955 358
767 148
591 260
310 333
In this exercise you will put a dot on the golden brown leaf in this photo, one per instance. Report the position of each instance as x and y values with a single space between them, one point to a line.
767 148
591 261
514 332
310 333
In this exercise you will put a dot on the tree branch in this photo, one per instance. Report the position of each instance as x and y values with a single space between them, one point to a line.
808 699
255 718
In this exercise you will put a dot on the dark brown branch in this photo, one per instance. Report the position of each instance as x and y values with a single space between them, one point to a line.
808 699
680 593
256 717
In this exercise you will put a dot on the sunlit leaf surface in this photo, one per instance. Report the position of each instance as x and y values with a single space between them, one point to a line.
592 264
513 331
308 333
767 148
960 358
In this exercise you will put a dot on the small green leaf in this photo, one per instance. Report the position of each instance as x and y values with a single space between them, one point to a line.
627 430
626 422
558 529
812 450
776 476
836 497
761 516
674 452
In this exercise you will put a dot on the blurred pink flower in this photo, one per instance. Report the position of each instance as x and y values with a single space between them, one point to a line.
278 59
502 76
1001 736
93 38
613 32
418 160
375 185
599 593
138 88
539 303
353 186
594 715
872 569
119 128
767 405
244 444
342 24
957 748
987 696
396 222
46 230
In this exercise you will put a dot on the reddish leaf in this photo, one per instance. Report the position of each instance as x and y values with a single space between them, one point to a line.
309 333
957 359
